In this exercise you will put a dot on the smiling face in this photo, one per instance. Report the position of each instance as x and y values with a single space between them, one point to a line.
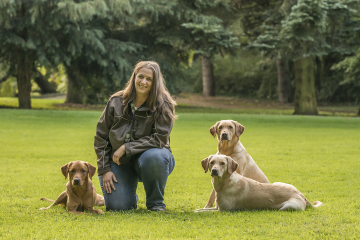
143 81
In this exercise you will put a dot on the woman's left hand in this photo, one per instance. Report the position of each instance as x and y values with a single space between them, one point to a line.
118 154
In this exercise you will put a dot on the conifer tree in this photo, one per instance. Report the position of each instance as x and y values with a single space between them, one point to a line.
308 29
36 32
93 39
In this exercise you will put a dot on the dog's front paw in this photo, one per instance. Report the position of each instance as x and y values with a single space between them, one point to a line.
99 211
198 210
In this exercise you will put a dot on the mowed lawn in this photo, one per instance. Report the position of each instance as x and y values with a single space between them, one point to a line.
318 155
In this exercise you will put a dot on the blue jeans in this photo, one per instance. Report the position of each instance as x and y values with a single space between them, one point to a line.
152 167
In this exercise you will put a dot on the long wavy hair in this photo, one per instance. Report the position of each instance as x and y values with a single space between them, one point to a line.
160 102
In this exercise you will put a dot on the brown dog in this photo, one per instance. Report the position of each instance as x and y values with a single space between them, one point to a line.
235 192
80 193
228 135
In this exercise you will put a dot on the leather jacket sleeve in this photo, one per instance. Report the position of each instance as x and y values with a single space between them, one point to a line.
102 144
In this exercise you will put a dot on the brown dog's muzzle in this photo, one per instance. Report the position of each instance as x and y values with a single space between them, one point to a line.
76 181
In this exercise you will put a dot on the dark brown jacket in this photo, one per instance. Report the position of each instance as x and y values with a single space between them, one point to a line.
113 126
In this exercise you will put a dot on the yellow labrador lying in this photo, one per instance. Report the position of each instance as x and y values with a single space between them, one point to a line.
235 192
228 135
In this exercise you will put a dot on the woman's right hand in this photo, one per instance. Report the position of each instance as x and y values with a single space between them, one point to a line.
108 178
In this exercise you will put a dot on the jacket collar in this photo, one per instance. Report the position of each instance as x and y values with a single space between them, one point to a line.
143 107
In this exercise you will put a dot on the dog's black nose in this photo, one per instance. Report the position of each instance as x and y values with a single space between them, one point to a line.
214 172
76 181
225 136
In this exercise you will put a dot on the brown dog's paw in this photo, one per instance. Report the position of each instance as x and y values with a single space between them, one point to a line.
98 211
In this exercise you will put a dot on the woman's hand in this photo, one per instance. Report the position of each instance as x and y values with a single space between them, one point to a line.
108 178
118 154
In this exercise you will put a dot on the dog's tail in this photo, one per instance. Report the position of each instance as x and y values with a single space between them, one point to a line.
47 199
315 204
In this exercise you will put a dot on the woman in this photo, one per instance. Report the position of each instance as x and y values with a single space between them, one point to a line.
132 140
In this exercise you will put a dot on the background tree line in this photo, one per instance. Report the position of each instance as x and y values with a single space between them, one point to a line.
300 51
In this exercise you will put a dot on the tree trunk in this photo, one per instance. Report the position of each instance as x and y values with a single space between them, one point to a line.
283 79
208 77
23 76
73 94
305 99
358 114
44 85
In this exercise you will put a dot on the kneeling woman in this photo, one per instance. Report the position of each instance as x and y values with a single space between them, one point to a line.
132 141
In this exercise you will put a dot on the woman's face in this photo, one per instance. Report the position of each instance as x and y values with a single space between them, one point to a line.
143 81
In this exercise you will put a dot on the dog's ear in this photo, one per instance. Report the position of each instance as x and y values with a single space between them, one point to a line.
213 129
232 165
65 169
92 170
239 129
205 164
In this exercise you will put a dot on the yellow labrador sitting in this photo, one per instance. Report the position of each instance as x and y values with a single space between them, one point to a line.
235 192
228 135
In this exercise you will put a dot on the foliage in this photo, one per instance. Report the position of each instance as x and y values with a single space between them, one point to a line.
244 75
190 29
322 29
317 155
158 30
351 67
51 33
307 28
8 88
303 30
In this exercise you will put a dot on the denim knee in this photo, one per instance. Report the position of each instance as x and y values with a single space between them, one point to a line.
121 204
157 161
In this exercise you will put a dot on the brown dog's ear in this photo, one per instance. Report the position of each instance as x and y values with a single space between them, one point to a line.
92 170
239 129
65 169
205 164
213 129
232 165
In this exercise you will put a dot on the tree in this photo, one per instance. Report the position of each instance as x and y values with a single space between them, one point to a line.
36 33
43 83
196 26
90 53
303 32
308 30
351 66
18 48
283 79
220 39
261 22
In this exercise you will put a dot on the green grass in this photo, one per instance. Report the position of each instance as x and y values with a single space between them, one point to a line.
318 155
